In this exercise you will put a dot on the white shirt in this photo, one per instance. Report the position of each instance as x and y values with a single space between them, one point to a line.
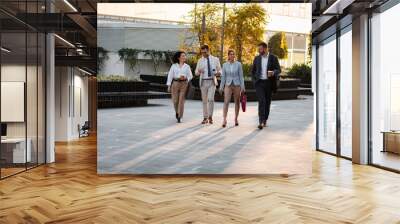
176 71
214 65
264 66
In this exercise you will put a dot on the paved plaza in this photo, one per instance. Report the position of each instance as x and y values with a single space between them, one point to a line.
147 140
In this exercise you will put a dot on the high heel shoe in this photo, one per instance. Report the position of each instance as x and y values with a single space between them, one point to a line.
236 123
210 120
224 124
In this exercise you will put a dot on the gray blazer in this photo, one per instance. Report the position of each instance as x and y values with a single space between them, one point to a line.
234 77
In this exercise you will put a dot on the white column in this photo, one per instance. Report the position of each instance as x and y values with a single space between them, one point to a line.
360 90
63 102
50 98
314 89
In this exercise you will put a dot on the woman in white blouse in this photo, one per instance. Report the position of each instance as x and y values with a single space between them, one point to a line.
178 79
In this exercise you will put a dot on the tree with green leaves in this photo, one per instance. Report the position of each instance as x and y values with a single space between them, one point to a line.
206 19
309 49
277 45
244 29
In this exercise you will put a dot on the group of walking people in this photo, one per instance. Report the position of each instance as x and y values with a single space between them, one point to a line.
265 72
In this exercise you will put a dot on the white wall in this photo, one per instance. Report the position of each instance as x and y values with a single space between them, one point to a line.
34 124
80 109
160 37
112 66
61 103
14 72
69 112
145 65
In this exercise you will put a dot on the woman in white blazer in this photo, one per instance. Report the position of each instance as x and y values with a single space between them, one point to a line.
178 79
232 82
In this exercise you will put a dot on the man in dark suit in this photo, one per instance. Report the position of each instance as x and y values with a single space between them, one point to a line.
265 73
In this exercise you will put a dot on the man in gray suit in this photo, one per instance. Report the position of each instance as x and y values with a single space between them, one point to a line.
265 73
208 68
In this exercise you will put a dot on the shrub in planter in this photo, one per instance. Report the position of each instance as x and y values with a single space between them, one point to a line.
119 83
300 71
116 78
246 70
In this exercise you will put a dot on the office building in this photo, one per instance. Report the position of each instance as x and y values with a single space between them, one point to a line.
356 81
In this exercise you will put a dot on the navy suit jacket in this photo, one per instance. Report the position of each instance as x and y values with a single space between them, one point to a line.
273 65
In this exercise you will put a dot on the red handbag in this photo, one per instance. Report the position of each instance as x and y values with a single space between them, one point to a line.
243 101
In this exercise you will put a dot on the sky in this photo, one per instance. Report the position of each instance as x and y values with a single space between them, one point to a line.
177 12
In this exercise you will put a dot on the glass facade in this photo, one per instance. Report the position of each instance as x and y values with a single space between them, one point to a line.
297 44
334 93
381 79
346 92
385 89
22 87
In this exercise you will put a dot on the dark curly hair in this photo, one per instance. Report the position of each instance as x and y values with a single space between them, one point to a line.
177 55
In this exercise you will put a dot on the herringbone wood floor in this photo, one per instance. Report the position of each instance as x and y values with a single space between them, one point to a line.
70 191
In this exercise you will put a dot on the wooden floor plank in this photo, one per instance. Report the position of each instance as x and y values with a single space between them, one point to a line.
70 191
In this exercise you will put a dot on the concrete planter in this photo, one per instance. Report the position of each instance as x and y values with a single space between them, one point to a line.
160 79
126 94
288 88
121 86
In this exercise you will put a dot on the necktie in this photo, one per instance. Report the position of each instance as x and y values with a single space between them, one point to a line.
208 66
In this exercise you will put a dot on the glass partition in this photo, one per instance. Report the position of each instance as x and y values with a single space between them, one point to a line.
31 97
22 88
14 153
327 95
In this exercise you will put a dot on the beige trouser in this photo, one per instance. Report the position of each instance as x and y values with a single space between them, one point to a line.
207 96
178 95
228 90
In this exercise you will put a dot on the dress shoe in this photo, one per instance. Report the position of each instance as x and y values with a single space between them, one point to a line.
210 120
260 126
264 124
204 121
179 120
224 124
